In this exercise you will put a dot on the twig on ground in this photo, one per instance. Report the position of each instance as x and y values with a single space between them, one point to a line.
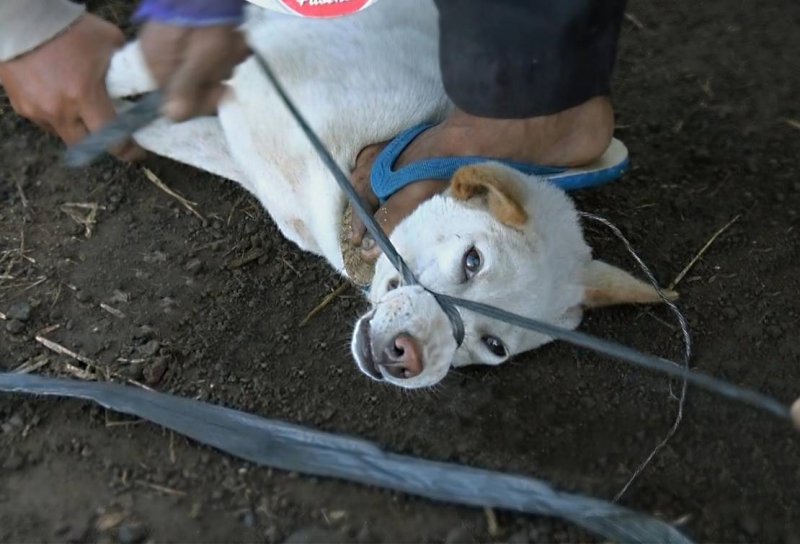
234 207
80 373
252 255
13 256
161 488
491 522
57 296
39 281
658 319
22 196
325 303
290 267
702 251
793 123
172 457
333 516
706 88
188 204
49 329
88 220
198 249
36 364
110 424
61 350
635 20
108 521
113 311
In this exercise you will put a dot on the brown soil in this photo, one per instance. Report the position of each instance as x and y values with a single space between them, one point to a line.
705 92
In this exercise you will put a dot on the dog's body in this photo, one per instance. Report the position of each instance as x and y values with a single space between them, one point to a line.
358 80
497 236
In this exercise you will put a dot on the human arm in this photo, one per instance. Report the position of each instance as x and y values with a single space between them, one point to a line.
27 24
54 61
191 47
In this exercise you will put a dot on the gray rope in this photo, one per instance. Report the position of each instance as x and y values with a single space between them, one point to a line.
448 303
299 449
138 116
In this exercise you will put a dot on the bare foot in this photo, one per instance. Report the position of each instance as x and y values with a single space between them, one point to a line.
574 137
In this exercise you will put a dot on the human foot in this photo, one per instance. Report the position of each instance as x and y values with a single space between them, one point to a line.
572 138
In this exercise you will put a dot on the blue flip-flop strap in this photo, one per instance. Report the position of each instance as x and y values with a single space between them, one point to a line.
386 181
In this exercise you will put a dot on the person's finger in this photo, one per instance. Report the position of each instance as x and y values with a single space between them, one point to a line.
387 217
360 178
209 58
188 90
195 85
399 206
71 131
209 101
162 47
357 230
357 227
240 49
370 252
364 190
97 112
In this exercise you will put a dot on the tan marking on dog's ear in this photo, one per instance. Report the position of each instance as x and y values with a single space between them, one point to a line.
606 285
499 188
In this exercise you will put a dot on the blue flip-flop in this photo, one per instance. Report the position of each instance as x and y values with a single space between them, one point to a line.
386 181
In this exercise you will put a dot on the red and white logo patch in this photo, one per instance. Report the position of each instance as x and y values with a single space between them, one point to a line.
325 8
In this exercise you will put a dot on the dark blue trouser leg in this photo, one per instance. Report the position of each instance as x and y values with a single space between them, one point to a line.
525 58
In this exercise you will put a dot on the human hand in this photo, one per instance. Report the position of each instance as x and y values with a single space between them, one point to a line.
60 85
191 64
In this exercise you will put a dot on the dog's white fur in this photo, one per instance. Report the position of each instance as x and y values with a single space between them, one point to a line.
360 80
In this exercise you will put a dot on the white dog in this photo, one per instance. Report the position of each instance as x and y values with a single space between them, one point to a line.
496 236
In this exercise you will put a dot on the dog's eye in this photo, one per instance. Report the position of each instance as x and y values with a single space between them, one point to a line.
393 284
495 345
472 262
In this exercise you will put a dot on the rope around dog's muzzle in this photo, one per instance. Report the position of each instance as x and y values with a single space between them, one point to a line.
449 304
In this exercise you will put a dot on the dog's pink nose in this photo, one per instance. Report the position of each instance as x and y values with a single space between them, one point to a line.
403 357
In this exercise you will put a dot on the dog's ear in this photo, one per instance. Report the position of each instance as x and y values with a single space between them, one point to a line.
498 188
606 285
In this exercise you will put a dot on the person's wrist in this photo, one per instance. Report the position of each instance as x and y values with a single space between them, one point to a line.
191 13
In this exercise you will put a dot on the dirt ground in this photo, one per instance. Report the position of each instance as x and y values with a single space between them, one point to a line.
706 94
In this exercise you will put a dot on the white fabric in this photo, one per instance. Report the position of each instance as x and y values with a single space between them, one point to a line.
26 24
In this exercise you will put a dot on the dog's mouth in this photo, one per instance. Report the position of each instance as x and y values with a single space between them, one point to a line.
363 349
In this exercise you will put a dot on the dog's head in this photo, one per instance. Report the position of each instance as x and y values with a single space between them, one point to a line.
498 237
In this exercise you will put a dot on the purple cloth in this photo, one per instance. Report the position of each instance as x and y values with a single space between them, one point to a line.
191 12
